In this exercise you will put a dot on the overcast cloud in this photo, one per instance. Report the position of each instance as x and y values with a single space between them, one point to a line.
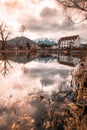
42 18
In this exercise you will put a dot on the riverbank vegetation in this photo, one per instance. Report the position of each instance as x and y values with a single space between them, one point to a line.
73 111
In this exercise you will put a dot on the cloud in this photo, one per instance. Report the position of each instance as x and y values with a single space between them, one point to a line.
11 4
48 12
49 22
36 1
42 18
43 24
11 7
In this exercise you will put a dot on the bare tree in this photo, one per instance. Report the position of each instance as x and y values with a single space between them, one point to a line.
4 33
22 29
76 4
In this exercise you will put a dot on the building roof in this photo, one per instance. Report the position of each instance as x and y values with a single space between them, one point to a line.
69 38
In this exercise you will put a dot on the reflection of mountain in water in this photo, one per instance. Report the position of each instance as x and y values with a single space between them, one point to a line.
27 57
45 57
42 57
19 57
23 57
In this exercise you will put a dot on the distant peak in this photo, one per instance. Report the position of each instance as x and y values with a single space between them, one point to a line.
45 40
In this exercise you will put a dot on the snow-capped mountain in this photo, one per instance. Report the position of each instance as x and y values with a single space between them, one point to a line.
46 41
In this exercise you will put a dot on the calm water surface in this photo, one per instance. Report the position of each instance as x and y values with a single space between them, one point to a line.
25 79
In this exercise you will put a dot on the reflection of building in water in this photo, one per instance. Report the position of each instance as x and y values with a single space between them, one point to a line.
69 42
68 60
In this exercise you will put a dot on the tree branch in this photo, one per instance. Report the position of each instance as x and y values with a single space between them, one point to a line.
78 4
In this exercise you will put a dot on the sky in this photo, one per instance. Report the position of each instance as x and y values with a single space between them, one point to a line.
42 18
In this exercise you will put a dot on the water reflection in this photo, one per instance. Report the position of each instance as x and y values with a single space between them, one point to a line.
5 64
67 59
26 93
6 58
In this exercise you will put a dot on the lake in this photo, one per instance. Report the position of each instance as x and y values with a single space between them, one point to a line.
32 84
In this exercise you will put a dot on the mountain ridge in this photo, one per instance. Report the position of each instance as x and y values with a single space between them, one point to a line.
21 40
46 41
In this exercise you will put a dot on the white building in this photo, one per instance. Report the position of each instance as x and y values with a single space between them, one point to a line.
69 42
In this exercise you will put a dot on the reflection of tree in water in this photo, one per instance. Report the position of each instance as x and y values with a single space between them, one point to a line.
5 64
28 56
